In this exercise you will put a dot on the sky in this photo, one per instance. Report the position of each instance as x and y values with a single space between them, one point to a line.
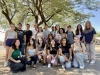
95 21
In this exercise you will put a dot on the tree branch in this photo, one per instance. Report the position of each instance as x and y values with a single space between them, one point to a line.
53 15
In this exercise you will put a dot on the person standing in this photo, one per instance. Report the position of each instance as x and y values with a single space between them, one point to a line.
65 27
34 31
53 31
79 32
39 33
10 35
28 33
22 38
89 38
70 35
57 27
46 32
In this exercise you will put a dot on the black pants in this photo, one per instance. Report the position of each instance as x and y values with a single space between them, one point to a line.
15 67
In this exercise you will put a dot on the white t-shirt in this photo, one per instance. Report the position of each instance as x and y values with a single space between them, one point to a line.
34 31
40 35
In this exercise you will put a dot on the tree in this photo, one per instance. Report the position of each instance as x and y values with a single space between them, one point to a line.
48 11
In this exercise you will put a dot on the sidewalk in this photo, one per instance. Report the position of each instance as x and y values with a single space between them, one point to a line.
40 70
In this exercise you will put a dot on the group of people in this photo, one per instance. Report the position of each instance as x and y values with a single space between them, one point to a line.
58 46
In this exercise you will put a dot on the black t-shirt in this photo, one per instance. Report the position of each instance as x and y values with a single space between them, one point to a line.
20 34
28 35
65 49
53 50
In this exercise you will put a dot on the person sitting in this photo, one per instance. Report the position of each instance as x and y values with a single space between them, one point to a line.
41 51
79 51
31 53
65 52
16 61
52 53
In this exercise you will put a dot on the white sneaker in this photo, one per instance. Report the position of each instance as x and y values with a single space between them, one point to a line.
81 67
92 62
49 65
88 61
5 64
63 66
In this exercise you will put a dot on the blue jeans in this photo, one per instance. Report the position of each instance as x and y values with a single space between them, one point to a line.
79 59
64 62
22 49
34 59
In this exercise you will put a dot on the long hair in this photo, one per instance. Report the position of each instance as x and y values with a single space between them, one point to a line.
34 44
90 26
54 45
62 29
13 44
38 30
67 44
43 44
56 27
48 39
77 30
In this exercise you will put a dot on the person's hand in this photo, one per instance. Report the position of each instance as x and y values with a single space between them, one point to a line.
18 61
92 42
67 60
4 45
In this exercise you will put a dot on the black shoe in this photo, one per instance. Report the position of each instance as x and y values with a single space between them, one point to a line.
39 61
15 71
44 65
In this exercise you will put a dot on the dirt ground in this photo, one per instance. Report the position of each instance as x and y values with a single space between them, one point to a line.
54 70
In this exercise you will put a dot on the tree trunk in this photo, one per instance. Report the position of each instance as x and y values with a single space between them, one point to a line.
36 19
7 17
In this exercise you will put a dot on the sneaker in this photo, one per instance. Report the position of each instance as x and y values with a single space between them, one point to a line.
44 65
92 62
5 64
88 61
81 67
63 66
49 65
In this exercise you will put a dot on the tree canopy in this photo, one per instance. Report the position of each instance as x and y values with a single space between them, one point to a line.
46 12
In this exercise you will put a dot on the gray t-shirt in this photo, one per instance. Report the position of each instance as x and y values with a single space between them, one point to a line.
70 36
46 33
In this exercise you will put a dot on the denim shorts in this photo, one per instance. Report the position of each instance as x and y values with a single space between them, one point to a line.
9 42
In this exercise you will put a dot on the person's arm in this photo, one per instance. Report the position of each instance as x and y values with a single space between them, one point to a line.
10 54
56 54
31 34
16 35
43 36
27 52
66 35
24 37
48 52
5 38
83 48
60 51
36 52
93 40
70 52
